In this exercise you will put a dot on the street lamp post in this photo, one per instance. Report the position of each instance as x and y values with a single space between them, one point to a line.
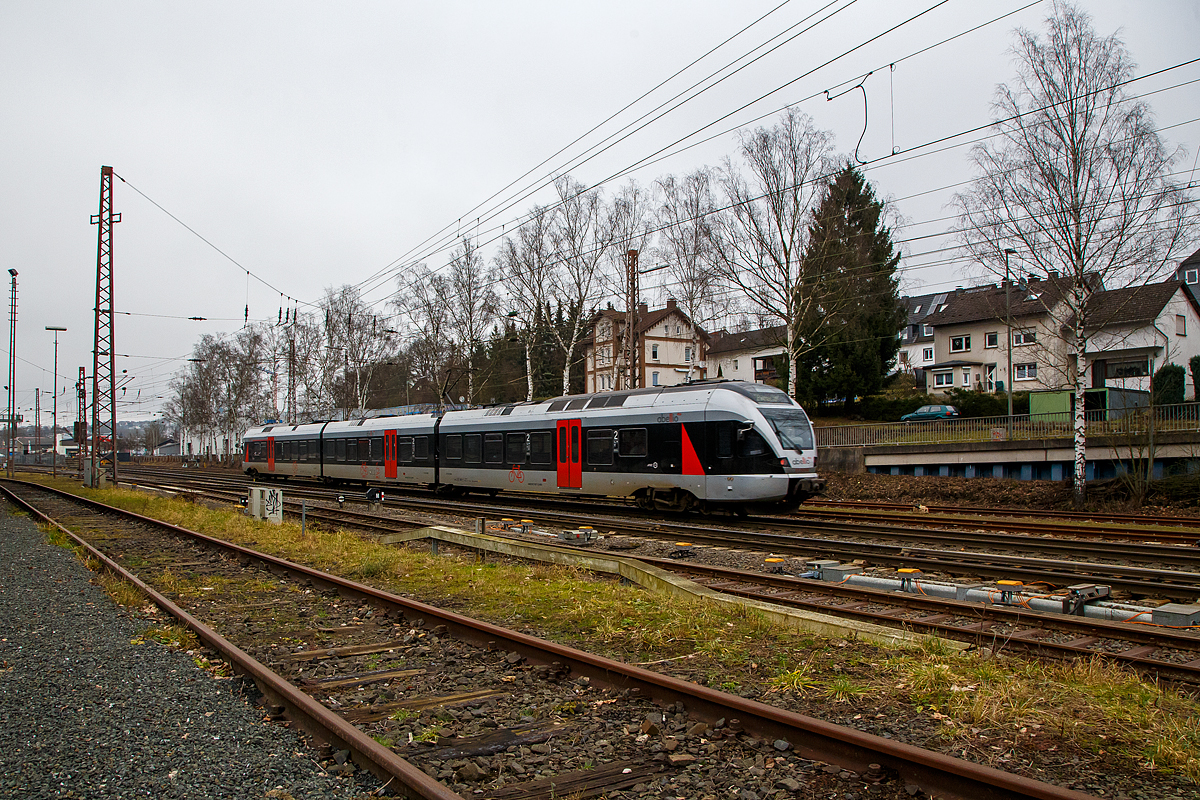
54 429
1008 324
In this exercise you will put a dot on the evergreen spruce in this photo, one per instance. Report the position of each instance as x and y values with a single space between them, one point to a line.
850 252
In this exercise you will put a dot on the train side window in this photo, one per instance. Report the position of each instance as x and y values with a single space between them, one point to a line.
421 448
725 439
330 450
352 450
562 445
454 446
377 450
632 442
364 451
751 444
341 449
404 449
473 448
575 405
279 451
514 448
600 446
493 448
314 450
287 451
574 444
541 447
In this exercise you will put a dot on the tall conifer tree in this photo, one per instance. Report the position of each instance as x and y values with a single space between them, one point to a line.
850 253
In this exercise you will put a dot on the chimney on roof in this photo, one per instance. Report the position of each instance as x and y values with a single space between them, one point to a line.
671 304
643 309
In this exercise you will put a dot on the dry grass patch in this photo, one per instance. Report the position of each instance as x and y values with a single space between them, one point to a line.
121 591
1092 705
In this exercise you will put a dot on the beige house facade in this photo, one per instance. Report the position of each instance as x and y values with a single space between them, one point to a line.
981 331
668 349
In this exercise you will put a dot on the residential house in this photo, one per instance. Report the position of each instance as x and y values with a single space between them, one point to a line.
1136 330
667 347
916 351
1188 272
748 356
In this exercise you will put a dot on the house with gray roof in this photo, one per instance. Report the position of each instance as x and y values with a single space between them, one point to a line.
983 330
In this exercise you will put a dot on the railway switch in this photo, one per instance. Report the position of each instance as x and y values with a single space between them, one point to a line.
908 579
584 535
1079 595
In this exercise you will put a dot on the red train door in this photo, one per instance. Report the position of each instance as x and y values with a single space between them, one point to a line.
270 454
570 467
389 454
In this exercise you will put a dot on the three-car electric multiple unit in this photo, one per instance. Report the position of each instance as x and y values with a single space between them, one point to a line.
697 446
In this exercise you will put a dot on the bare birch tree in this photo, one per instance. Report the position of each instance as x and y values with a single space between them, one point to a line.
1077 182
471 304
422 302
580 241
363 337
523 266
759 242
685 243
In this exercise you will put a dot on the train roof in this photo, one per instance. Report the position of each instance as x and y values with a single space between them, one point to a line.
757 393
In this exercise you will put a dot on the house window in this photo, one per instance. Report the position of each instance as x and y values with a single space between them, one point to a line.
1024 337
654 379
1129 368
991 339
654 351
1025 372
1191 276
735 363
917 311
676 330
960 344
687 354
943 379
927 354
927 330
1180 325
966 377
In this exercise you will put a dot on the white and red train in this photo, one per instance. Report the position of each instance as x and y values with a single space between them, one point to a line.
701 445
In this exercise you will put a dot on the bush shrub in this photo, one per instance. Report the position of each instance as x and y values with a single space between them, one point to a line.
1168 386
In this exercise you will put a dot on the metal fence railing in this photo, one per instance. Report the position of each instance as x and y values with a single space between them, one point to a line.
1113 422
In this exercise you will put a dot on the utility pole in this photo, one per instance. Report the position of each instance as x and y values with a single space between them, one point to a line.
631 320
54 429
12 374
104 378
81 437
37 424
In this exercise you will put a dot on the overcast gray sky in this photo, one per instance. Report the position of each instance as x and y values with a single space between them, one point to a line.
319 144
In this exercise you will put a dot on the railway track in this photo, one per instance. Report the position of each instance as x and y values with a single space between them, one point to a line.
1149 570
415 647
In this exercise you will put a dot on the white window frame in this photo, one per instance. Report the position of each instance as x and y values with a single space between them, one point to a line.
654 352
927 354
1025 372
735 365
966 371
654 379
1191 276
927 330
1024 337
687 354
1180 325
965 343
991 339
943 378
917 311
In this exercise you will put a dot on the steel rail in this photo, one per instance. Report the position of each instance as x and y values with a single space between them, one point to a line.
815 739
1142 581
309 715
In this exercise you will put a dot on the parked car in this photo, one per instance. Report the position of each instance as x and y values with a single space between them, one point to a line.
930 412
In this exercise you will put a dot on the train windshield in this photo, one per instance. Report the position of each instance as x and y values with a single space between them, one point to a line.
792 426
